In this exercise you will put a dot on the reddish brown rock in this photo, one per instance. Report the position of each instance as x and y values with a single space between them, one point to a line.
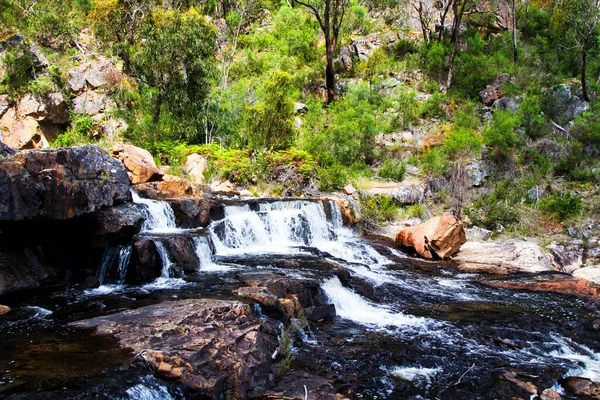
582 387
4 309
560 284
213 346
440 237
139 163
170 187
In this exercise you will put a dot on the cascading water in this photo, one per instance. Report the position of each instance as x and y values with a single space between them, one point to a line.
114 264
159 215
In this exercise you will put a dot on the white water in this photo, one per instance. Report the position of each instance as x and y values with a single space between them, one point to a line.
115 262
589 362
352 306
166 279
415 373
159 216
151 389
204 253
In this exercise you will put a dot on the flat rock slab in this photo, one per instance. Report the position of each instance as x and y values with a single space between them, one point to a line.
561 284
502 258
216 347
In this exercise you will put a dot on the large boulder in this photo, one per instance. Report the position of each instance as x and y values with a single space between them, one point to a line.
20 271
191 212
95 74
215 347
562 284
440 237
194 167
567 257
139 163
24 132
502 257
91 103
50 109
60 183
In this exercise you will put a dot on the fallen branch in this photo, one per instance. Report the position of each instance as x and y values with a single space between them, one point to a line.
457 382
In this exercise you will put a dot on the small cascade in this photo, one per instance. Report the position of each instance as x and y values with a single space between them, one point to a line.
167 264
275 227
205 255
114 264
159 215
336 215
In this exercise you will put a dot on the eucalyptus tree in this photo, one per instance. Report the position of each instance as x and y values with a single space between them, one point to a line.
330 15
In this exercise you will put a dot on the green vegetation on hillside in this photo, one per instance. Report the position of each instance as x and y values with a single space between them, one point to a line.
244 84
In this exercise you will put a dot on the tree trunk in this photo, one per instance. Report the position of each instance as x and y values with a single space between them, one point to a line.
514 22
329 74
586 96
157 106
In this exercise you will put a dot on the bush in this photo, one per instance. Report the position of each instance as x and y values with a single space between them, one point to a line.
501 136
375 210
392 169
562 205
404 47
19 70
41 87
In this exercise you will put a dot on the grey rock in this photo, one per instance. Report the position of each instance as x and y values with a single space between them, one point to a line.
477 172
478 234
407 194
60 183
50 109
90 103
4 104
535 195
6 150
506 103
567 257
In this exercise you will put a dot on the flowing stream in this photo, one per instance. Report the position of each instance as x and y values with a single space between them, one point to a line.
400 331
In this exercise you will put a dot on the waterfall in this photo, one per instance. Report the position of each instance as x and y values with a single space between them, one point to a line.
166 270
159 215
205 255
114 264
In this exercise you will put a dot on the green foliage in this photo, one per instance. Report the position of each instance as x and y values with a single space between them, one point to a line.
78 133
375 210
392 169
500 136
42 86
269 123
562 205
404 47
496 208
19 70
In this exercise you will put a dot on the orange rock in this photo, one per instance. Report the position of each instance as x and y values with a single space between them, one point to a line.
564 285
139 163
439 237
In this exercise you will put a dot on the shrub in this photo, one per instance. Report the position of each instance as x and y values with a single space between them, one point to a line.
41 87
19 70
501 137
375 210
392 169
562 205
404 47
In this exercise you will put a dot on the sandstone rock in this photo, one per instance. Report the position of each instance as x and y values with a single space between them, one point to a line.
581 387
91 103
478 234
18 272
349 190
194 167
407 194
567 257
170 187
281 286
139 163
558 284
591 274
549 394
50 109
182 251
439 237
22 133
319 313
526 386
60 183
246 193
95 74
220 187
4 309
215 347
502 257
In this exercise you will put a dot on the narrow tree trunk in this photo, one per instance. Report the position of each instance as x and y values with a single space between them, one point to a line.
157 107
329 74
586 96
451 65
514 22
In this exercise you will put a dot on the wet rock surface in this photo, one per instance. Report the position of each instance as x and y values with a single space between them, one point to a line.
213 346
563 284
60 183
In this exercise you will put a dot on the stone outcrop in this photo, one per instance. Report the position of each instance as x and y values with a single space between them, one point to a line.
215 347
139 163
191 212
440 237
19 271
493 91
6 150
50 109
60 183
223 187
91 103
194 167
502 257
567 257
562 284
169 188
126 219
588 273
96 74
350 215
4 309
